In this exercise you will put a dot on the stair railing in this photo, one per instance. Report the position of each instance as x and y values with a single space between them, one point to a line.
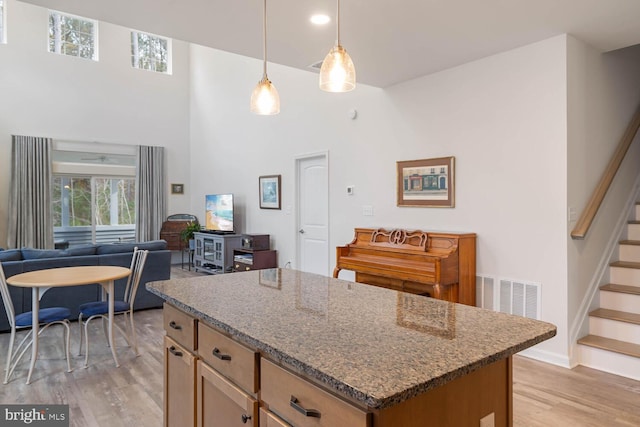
590 211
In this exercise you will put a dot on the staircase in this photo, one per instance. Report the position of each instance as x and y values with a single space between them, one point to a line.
613 343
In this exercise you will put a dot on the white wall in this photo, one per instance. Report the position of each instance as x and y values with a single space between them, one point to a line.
522 125
44 94
603 94
503 118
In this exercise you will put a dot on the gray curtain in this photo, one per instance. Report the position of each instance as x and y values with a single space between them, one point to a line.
30 211
151 210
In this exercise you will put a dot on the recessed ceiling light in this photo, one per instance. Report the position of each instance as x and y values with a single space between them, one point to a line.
320 19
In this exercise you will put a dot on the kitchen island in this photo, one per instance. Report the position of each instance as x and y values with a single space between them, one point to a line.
378 357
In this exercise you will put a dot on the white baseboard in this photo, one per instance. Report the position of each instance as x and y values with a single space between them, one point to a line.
547 357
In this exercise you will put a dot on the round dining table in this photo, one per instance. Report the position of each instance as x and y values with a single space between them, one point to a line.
42 280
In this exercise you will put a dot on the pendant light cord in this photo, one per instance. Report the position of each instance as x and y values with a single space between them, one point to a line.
264 39
338 23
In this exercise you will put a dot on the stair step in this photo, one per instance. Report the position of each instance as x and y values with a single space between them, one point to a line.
609 344
629 242
633 230
620 316
625 272
629 250
625 289
623 298
625 264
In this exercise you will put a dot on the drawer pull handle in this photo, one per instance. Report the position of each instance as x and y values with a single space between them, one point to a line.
245 418
306 412
175 326
173 351
216 353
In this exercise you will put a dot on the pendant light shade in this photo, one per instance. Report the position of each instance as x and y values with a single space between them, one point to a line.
337 73
265 99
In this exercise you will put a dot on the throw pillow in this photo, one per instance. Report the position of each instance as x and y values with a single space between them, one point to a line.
153 245
115 248
81 250
11 255
42 253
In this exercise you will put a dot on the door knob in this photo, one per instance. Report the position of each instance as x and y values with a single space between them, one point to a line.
301 231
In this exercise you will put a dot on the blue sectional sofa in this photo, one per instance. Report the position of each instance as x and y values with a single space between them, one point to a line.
15 261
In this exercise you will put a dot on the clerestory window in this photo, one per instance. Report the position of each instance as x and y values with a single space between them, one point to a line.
73 35
149 52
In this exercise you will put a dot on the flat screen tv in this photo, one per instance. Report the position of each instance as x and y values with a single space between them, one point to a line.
219 213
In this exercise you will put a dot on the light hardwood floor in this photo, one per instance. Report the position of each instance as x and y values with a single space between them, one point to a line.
131 395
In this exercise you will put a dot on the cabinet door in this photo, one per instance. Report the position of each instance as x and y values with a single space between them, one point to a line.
209 249
199 247
179 385
220 403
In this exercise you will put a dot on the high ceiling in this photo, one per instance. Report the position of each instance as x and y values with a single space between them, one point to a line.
390 41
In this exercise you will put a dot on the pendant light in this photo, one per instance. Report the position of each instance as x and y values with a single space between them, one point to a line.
265 99
337 73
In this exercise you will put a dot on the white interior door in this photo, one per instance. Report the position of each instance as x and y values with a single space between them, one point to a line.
313 214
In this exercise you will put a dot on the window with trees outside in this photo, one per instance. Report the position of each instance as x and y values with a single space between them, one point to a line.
149 52
73 36
93 209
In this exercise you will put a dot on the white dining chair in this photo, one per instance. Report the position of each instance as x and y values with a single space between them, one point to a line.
124 307
46 316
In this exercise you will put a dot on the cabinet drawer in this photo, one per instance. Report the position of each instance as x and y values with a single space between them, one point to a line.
180 326
221 403
268 419
289 396
230 358
241 266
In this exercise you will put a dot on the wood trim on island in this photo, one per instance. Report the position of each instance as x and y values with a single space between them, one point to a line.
436 264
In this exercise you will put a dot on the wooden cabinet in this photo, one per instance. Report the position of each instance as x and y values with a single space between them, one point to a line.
179 385
254 253
213 253
213 380
209 379
179 367
247 259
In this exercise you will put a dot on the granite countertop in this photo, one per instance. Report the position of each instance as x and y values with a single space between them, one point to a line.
377 346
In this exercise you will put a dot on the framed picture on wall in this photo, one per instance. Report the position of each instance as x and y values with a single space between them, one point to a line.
426 182
269 191
177 188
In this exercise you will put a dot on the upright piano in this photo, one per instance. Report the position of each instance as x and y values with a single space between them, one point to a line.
436 264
